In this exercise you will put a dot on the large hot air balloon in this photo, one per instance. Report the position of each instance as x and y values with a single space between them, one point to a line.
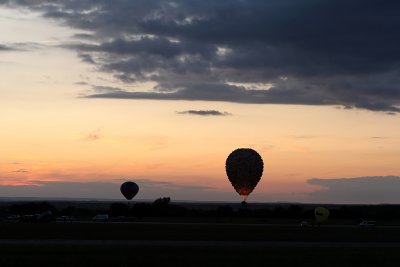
129 190
244 168
321 214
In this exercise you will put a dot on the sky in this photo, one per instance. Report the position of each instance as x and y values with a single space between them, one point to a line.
95 93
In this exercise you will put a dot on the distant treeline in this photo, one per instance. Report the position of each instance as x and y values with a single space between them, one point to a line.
163 207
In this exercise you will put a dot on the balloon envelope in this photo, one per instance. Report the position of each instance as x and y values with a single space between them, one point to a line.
321 214
244 168
129 190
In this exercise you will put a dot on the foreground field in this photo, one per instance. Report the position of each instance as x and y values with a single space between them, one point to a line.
105 255
196 231
195 244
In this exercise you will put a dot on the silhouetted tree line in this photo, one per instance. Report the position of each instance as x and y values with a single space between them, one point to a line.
31 208
162 207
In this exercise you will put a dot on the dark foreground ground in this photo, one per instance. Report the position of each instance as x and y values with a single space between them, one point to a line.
196 244
161 233
114 255
197 232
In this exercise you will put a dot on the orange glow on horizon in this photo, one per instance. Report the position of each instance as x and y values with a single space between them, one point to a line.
179 148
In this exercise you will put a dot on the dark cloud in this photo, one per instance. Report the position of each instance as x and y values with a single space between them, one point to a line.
309 52
61 190
87 58
376 189
205 112
149 189
106 89
5 48
218 92
85 36
81 83
22 171
28 46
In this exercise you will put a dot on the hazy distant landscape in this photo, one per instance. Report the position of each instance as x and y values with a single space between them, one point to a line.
162 210
165 207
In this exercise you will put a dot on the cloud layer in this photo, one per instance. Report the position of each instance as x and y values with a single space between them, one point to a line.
205 112
304 51
149 189
363 190
20 46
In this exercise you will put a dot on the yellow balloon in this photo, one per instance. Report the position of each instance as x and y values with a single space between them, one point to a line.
321 214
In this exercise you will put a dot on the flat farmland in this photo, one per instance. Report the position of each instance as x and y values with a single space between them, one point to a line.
197 231
132 255
195 244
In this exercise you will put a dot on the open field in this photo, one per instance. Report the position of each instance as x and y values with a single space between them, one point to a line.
195 244
196 231
112 255
212 239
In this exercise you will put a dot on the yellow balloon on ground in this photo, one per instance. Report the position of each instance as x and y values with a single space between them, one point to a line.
321 214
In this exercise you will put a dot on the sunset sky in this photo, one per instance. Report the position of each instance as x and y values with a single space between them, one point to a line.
94 93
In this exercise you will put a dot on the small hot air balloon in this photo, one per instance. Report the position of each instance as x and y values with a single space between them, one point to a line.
244 167
129 189
321 214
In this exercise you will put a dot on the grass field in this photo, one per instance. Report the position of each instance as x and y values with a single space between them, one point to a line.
102 253
65 255
193 231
